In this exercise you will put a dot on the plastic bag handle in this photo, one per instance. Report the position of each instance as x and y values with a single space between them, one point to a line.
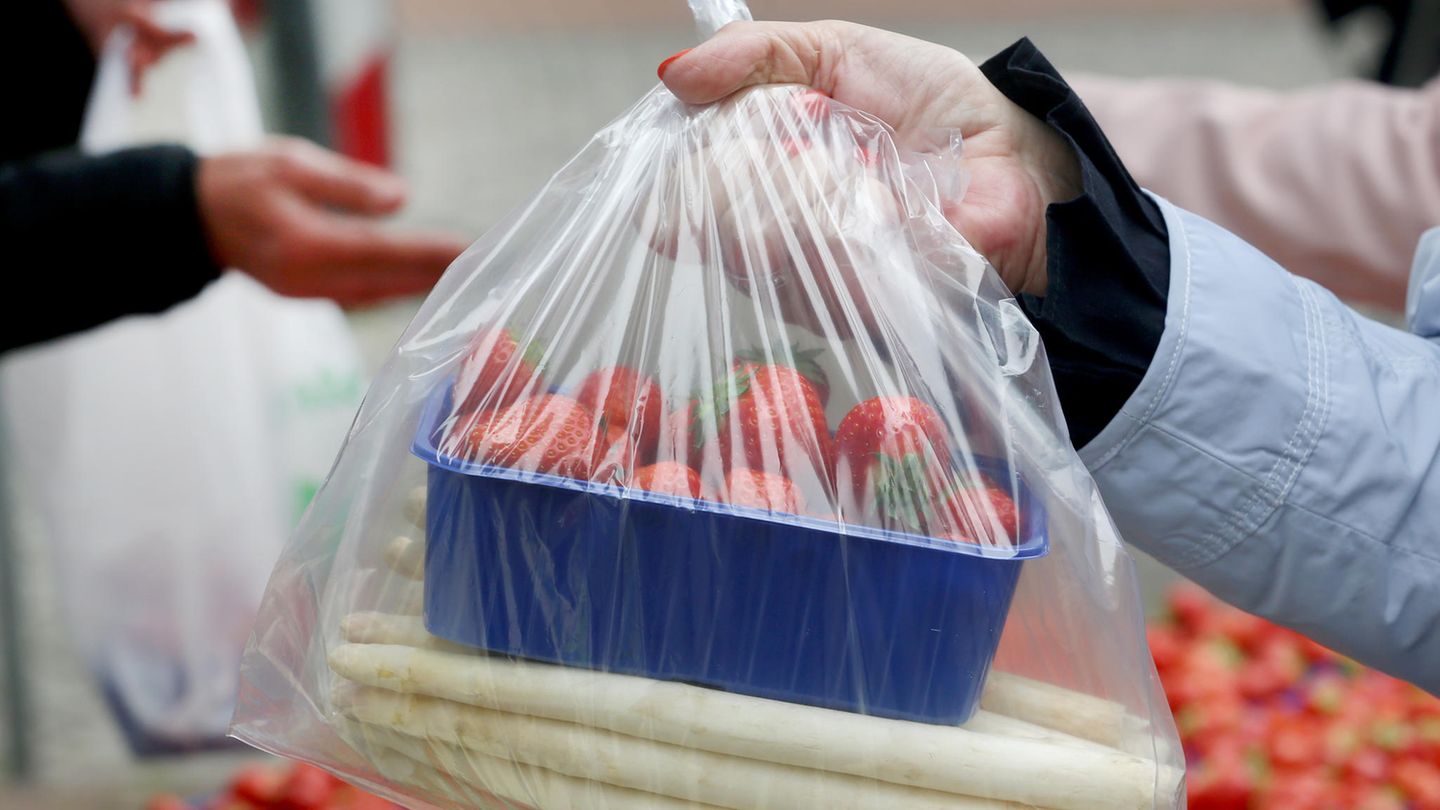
712 15
220 106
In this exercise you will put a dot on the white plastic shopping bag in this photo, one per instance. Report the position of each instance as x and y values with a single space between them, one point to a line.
202 95
168 456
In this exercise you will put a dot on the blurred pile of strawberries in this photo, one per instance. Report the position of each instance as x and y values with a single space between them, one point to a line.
1270 719
295 786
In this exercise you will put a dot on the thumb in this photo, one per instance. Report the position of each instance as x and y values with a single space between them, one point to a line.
745 54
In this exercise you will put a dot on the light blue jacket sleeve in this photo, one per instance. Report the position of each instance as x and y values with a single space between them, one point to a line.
1284 451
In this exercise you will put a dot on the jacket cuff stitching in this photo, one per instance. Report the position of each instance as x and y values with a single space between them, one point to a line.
1265 499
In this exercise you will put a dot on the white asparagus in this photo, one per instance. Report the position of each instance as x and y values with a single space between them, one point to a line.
733 782
388 628
1075 713
1071 713
533 786
415 507
409 631
424 782
406 557
983 722
940 758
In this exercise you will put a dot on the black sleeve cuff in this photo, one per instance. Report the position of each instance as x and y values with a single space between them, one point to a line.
1108 257
96 238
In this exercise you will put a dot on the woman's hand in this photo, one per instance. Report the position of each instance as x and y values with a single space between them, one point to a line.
1017 165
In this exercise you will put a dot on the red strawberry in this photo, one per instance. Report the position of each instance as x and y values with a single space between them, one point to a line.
982 514
615 456
306 788
1420 781
774 413
894 428
1369 764
669 478
1296 741
626 398
763 490
1299 790
805 361
1166 646
548 434
352 798
1191 606
894 460
1247 630
813 105
1225 780
496 371
257 784
1367 796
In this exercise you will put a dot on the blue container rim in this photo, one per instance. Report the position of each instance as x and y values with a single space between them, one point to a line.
1037 543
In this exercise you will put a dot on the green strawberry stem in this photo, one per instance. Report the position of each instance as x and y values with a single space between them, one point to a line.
711 407
901 490
805 361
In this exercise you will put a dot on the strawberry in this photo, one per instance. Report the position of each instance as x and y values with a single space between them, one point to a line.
306 788
978 514
1166 646
1191 606
669 478
1366 796
1223 781
775 415
548 434
352 798
1369 764
894 461
813 105
1299 790
763 490
257 784
496 372
624 397
805 361
890 431
615 456
1296 741
1420 781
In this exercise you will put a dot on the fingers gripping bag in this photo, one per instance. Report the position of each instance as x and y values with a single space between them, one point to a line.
724 473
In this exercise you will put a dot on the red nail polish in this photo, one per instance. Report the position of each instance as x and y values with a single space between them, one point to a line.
666 64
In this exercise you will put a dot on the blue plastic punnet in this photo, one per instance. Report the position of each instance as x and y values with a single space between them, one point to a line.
777 606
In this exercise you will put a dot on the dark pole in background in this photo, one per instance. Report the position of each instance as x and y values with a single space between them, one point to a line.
300 94
12 638
1417 46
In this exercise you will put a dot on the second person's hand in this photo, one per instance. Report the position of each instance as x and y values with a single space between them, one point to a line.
301 220
1018 166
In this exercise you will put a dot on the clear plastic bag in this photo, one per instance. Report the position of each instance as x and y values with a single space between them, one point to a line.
718 475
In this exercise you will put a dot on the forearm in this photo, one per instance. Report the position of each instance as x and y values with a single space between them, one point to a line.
1285 452
90 239
1337 182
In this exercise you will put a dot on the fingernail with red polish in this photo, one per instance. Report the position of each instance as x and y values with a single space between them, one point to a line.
666 64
